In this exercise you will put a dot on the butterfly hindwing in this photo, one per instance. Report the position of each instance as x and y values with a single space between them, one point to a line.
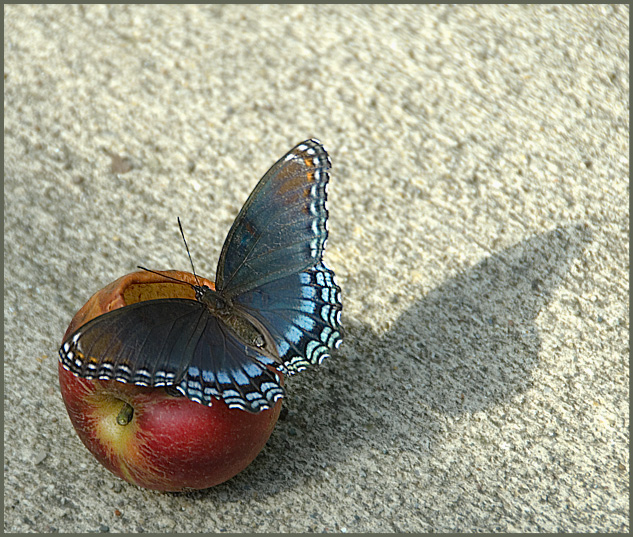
222 366
302 314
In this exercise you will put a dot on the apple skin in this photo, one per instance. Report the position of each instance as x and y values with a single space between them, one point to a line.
170 443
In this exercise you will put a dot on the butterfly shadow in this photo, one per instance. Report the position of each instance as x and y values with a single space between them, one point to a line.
468 345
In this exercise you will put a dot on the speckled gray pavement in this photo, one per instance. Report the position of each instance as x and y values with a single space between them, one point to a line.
478 227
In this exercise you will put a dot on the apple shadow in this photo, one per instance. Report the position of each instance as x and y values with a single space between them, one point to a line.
467 345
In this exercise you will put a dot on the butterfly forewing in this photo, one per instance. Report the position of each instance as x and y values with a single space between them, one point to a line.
143 343
281 229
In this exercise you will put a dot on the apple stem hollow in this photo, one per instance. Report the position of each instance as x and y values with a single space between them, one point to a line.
125 414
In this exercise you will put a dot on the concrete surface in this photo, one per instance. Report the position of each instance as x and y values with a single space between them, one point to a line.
479 230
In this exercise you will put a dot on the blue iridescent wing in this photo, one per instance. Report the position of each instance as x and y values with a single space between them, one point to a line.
281 229
272 266
302 314
172 342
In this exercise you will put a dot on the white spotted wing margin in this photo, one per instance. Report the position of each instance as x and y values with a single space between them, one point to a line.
173 342
302 313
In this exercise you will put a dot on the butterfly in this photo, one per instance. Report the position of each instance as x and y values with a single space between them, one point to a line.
275 308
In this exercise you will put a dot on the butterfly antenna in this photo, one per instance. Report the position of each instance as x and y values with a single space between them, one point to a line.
161 274
188 253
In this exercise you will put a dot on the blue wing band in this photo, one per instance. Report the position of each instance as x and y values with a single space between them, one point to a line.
237 373
302 314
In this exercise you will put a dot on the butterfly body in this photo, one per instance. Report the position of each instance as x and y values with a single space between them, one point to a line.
223 309
275 308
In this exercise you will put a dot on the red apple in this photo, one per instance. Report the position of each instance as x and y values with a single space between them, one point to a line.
147 436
